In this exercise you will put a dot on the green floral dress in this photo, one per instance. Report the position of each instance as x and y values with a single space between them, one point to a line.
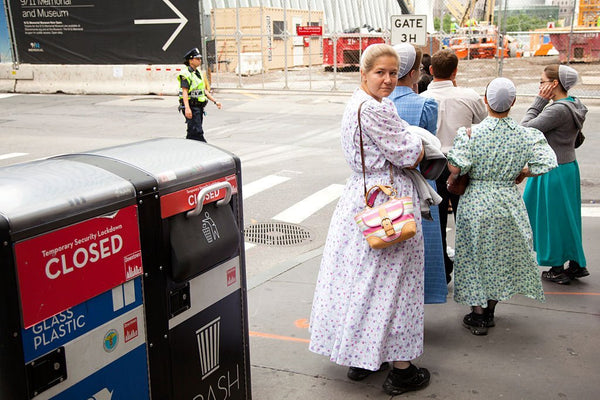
494 250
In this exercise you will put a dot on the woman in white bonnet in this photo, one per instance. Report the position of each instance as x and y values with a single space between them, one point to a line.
554 200
494 254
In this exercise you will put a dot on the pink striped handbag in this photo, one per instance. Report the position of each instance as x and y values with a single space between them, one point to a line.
389 223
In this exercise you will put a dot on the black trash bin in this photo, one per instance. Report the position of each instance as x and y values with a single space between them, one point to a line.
194 266
72 314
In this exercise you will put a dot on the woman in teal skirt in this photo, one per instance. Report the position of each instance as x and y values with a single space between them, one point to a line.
554 200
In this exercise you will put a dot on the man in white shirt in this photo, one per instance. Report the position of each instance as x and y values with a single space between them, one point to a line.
457 107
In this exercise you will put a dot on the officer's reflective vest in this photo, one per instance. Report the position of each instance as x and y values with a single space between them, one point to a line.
196 91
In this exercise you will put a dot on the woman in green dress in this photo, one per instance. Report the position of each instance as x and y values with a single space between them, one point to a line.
494 252
554 200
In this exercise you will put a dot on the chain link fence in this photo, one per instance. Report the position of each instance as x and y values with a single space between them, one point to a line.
316 44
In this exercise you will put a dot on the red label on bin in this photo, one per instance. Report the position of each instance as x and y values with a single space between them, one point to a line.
130 329
66 267
185 200
231 276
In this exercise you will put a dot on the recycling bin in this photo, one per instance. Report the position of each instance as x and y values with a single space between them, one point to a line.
72 315
194 268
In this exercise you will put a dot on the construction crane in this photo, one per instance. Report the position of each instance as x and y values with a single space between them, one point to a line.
488 11
476 40
461 12
406 6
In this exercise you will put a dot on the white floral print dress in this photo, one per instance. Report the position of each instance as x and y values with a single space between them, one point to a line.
368 304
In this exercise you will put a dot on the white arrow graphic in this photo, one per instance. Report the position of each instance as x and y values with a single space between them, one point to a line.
182 20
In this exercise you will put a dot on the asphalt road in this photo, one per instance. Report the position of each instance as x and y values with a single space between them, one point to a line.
292 164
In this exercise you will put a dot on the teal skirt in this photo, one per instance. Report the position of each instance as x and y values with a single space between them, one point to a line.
553 202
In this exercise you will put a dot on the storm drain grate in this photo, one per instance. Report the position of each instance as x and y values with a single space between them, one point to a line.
276 234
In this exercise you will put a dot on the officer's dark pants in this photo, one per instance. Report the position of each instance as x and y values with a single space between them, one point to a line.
447 198
194 124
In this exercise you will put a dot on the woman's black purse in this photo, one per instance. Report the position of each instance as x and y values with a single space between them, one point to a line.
579 139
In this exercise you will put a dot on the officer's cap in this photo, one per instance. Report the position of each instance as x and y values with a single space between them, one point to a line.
193 53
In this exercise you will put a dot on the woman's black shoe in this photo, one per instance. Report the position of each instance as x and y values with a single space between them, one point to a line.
358 374
576 272
478 323
396 383
556 275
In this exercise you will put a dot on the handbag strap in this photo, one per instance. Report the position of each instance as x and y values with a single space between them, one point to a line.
374 191
362 155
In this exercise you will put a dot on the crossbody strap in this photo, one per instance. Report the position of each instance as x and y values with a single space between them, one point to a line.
362 154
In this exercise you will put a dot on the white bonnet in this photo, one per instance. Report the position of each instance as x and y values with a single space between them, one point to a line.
567 76
501 94
407 54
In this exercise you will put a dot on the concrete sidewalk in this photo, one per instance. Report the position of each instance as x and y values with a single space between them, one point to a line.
536 351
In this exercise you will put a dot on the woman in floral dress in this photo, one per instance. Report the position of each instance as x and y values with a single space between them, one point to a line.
368 304
494 248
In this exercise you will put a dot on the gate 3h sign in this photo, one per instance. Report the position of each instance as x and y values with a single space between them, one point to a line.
410 29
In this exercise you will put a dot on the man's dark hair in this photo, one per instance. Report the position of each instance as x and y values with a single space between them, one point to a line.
443 63
426 62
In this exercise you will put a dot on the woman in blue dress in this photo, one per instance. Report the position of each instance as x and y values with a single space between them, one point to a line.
554 200
422 112
494 250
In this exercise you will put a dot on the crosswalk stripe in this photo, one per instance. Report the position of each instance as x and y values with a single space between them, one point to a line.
263 183
593 212
284 156
264 153
310 205
11 155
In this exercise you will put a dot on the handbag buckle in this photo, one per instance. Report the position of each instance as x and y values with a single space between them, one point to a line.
388 227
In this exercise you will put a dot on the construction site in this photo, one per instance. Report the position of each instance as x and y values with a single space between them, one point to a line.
291 44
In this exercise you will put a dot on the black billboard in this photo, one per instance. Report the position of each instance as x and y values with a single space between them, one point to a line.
104 31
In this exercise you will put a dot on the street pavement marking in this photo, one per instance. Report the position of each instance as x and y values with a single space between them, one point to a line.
251 95
264 153
310 205
278 337
5 95
263 183
593 212
574 293
11 155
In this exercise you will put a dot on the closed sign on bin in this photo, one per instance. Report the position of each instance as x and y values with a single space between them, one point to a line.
68 266
185 200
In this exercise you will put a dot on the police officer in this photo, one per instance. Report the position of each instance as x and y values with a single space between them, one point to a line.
193 96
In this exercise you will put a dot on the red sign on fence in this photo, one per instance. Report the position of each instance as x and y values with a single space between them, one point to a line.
309 30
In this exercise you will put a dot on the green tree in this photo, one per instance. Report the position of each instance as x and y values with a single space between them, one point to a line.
447 23
523 22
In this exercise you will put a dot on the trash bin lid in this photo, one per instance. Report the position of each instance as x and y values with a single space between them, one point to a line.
41 192
174 162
